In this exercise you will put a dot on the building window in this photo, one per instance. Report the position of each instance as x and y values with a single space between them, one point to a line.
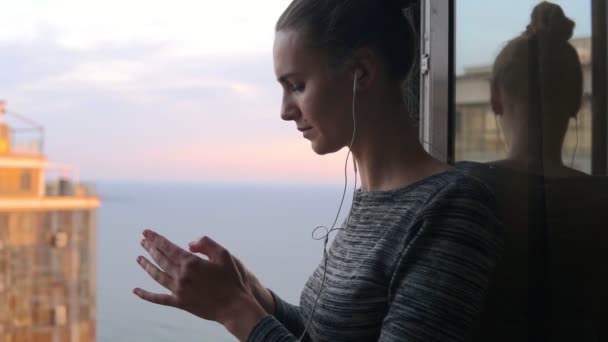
26 181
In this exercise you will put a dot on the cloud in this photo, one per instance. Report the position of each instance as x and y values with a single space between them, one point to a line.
106 107
196 26
154 90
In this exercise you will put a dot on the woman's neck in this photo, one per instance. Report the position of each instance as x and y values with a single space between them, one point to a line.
389 157
545 150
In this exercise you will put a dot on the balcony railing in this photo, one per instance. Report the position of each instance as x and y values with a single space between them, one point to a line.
64 187
64 180
25 136
26 143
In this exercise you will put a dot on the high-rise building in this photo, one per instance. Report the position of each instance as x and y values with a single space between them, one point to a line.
47 242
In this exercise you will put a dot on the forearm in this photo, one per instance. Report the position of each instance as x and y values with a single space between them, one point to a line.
250 323
288 315
269 329
244 318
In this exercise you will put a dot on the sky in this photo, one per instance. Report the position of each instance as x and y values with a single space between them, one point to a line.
184 90
484 27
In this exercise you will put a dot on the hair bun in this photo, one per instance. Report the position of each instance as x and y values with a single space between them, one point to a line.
549 20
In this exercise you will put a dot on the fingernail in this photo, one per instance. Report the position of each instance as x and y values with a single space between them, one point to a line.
139 258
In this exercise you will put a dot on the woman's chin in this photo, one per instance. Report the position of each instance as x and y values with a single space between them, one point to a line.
322 148
318 150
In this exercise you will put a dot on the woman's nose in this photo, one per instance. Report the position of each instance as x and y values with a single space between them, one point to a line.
289 110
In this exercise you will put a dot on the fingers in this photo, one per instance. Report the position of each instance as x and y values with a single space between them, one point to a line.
195 246
157 298
220 255
210 248
171 250
160 258
159 276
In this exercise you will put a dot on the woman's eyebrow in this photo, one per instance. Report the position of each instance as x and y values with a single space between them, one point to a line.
285 76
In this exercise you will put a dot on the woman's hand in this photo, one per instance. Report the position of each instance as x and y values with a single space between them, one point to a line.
212 289
253 285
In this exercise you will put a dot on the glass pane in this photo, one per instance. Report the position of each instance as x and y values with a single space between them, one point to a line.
523 125
480 133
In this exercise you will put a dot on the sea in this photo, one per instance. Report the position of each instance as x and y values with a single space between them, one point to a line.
268 227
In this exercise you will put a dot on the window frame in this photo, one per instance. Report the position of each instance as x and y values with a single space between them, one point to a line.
599 104
437 78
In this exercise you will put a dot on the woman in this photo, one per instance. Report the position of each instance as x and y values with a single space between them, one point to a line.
413 261
536 88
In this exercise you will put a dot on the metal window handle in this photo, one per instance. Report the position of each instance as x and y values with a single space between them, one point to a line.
424 64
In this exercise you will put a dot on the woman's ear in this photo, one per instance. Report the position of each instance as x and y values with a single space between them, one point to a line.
496 100
364 67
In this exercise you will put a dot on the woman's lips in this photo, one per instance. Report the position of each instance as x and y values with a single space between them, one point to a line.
305 130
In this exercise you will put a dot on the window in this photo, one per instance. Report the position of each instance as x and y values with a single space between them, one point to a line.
482 48
26 181
538 139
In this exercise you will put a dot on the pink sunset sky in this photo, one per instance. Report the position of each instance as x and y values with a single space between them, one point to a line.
157 91
183 90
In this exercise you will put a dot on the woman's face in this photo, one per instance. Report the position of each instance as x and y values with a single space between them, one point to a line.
315 96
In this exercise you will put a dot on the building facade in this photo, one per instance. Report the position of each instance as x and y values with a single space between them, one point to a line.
47 246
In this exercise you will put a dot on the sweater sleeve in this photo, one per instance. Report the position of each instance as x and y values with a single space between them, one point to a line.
438 287
285 325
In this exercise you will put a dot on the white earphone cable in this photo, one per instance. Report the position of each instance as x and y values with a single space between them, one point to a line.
325 237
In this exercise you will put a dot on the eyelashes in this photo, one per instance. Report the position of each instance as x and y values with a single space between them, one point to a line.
292 87
297 87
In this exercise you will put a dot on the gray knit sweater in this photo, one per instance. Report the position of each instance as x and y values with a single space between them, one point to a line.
412 265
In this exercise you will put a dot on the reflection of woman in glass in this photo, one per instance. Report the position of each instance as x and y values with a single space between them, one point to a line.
413 260
537 86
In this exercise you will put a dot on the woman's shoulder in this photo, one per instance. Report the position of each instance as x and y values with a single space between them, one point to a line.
456 200
452 185
464 206
458 206
464 189
450 192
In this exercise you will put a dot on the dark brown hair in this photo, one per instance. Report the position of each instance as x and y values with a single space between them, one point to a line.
342 26
556 71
